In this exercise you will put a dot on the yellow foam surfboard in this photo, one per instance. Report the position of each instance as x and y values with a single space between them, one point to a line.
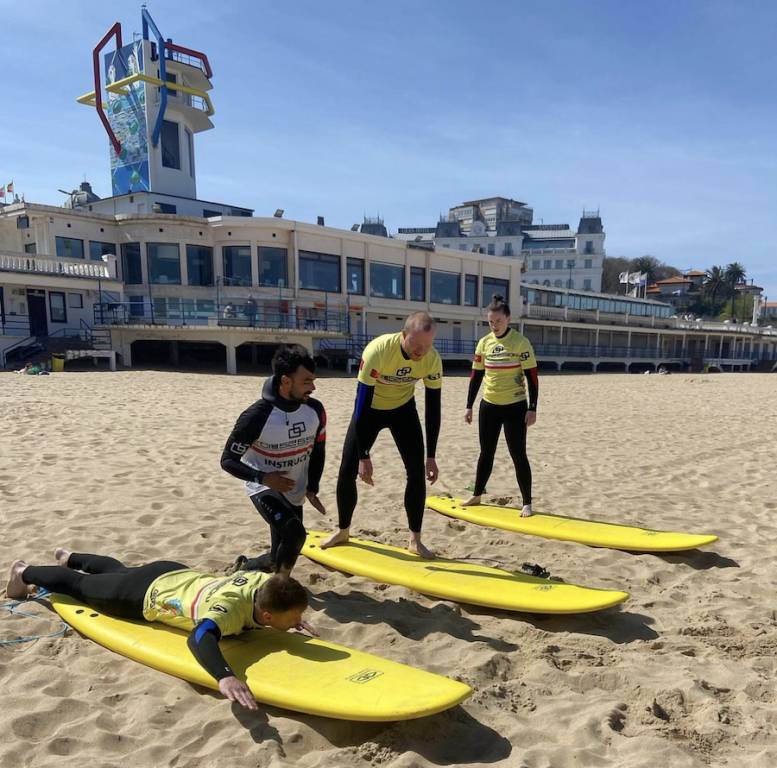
459 580
589 532
282 669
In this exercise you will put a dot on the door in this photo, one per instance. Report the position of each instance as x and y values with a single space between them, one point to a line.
36 303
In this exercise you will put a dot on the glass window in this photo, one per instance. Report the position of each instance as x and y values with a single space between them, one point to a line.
30 248
535 263
492 285
70 248
570 263
587 285
164 263
98 250
171 149
570 283
57 307
491 249
589 246
445 287
471 290
165 208
75 301
589 263
417 283
136 306
130 263
547 264
208 213
355 276
387 281
557 283
237 264
508 249
559 263
319 271
546 283
199 264
272 267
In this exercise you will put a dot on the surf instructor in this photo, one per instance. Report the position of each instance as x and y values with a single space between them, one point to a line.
390 367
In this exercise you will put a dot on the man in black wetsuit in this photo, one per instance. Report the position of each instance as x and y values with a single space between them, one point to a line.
277 448
391 365
209 606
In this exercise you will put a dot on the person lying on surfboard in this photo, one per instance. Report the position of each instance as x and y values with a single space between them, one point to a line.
390 367
277 448
505 360
209 606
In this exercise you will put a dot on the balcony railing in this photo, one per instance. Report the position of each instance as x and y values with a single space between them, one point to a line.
51 265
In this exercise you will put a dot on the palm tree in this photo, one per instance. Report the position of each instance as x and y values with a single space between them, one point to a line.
734 275
714 280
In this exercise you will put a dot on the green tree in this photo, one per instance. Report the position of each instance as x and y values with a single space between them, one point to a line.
714 282
735 275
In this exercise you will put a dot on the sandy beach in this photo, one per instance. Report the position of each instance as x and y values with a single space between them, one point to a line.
682 675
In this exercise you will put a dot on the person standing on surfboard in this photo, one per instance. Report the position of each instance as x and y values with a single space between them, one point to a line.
209 606
505 360
390 367
277 448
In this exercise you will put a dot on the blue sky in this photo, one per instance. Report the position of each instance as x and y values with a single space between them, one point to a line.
662 115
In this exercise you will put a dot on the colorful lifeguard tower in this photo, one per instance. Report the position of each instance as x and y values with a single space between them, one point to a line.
152 97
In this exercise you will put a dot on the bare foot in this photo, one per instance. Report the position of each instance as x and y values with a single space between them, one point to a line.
340 537
526 510
417 548
471 502
16 588
62 555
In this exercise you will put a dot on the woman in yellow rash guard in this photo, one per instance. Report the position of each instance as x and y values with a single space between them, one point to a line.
505 360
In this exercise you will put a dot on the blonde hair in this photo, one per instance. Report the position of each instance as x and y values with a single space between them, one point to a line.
420 321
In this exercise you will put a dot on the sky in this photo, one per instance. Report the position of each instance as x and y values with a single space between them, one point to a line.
660 115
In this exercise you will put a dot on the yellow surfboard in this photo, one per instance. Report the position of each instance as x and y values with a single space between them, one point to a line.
459 580
570 528
283 669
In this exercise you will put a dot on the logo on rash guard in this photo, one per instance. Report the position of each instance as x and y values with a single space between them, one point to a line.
238 447
403 371
497 350
434 376
524 355
297 429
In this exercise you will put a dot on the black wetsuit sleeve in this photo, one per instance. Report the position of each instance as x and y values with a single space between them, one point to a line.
318 455
203 642
432 419
475 378
364 395
533 385
247 429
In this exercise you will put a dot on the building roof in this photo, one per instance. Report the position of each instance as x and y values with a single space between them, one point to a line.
549 234
672 280
489 199
695 273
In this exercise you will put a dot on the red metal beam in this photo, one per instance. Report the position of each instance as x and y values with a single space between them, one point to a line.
194 54
115 30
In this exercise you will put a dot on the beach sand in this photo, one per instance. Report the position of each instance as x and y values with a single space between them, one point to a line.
683 674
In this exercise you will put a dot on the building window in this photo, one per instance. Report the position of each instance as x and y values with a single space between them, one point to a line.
471 290
570 283
492 285
589 263
355 276
272 267
535 263
546 283
171 78
30 248
570 263
387 281
130 263
319 271
190 148
508 250
445 287
75 301
165 208
491 248
559 263
207 213
547 264
199 264
136 306
237 264
98 250
417 284
589 246
69 248
22 222
57 307
587 285
171 148
164 263
558 284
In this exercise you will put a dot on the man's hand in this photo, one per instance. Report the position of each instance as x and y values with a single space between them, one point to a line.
303 626
468 415
431 471
315 502
531 418
277 481
237 690
365 471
